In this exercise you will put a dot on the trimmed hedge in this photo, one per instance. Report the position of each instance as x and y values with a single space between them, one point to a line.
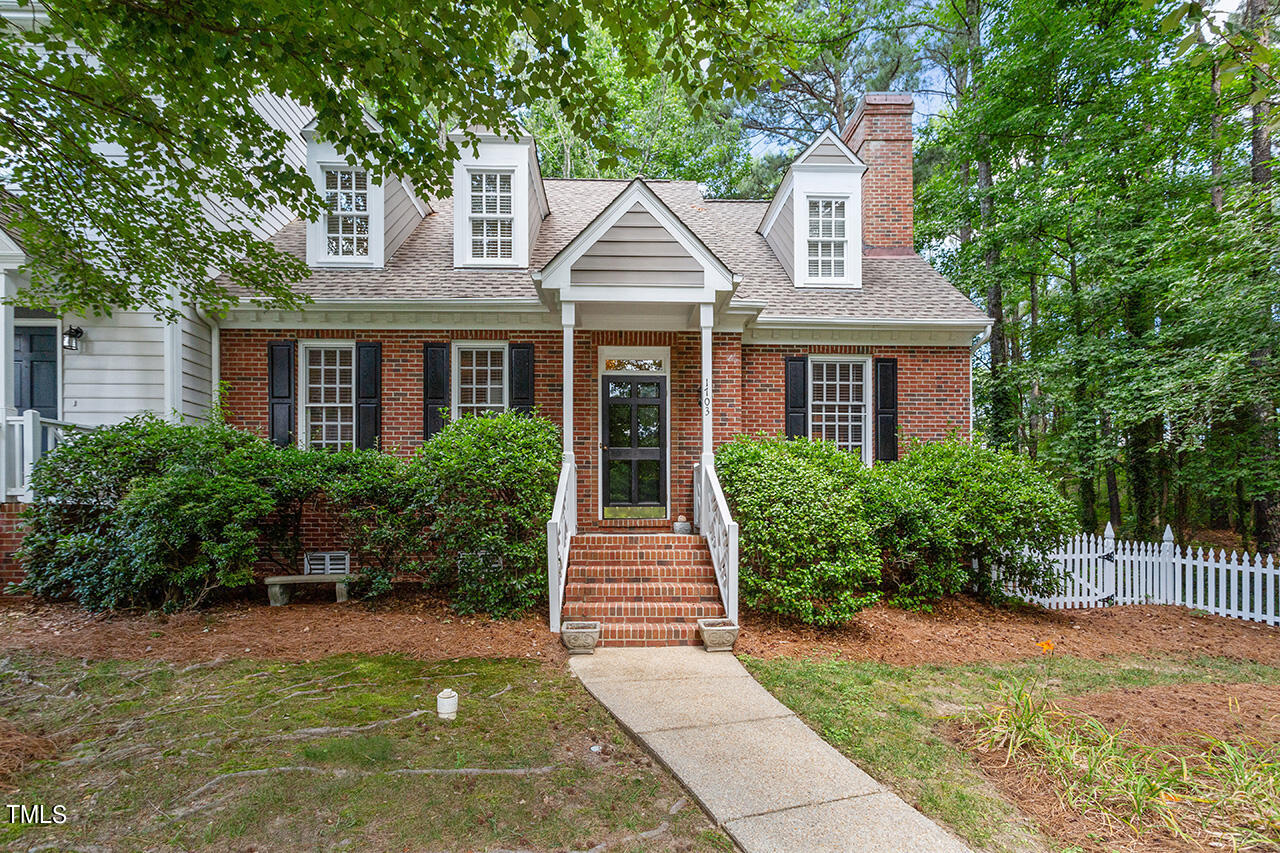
822 535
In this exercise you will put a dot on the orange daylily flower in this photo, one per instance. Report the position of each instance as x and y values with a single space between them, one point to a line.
1047 645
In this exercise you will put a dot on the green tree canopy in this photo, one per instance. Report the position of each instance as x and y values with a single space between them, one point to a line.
122 118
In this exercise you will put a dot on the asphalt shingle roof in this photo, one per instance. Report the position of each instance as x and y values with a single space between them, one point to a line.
897 288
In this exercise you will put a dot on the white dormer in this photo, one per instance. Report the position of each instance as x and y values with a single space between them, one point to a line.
498 201
350 234
369 215
814 223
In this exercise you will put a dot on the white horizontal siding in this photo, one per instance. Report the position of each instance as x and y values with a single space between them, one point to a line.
637 250
196 346
827 154
400 216
781 237
118 371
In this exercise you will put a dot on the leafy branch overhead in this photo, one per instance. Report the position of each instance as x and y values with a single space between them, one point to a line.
122 120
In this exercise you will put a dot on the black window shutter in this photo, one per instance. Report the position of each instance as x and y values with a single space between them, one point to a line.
521 359
281 396
886 396
435 387
797 396
368 395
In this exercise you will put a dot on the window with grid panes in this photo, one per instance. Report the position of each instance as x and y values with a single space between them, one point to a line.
481 379
492 216
346 194
328 410
838 403
826 238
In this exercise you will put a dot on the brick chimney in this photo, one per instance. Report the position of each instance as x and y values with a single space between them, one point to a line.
880 134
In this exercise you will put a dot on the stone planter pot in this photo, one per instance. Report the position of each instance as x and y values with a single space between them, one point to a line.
580 638
718 635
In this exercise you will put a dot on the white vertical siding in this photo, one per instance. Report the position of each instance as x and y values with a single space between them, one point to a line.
118 370
637 250
781 237
400 215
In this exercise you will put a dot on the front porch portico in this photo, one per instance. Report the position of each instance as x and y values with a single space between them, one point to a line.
640 297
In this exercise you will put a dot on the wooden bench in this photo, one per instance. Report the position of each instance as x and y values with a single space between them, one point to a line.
280 587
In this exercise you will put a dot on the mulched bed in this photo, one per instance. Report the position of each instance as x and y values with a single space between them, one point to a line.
415 625
962 630
1167 715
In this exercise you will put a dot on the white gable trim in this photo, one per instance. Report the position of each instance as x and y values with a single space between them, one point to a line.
555 275
784 188
825 137
11 257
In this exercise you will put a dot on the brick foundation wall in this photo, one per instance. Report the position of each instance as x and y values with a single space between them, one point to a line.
11 531
933 387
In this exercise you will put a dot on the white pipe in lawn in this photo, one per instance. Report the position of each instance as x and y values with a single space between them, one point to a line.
447 704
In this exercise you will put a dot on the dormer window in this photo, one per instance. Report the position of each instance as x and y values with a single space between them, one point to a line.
827 242
491 217
346 194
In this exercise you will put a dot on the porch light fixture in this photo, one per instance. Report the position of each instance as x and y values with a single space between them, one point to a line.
71 338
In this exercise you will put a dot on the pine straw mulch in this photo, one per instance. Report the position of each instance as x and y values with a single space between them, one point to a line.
1174 717
413 624
18 748
962 630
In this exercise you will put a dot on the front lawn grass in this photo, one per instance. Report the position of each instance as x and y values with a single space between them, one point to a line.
149 757
889 720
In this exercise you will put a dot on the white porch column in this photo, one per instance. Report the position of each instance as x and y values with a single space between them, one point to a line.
568 320
707 319
6 345
7 455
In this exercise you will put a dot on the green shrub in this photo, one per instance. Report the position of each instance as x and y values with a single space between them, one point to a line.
143 514
385 517
821 535
989 508
805 550
491 481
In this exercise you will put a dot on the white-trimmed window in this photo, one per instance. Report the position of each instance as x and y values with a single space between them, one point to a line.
491 216
328 396
838 405
346 194
479 378
827 241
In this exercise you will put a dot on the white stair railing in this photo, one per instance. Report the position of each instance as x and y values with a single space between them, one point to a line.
721 532
561 528
25 439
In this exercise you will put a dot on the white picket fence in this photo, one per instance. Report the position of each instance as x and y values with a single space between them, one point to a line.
1100 570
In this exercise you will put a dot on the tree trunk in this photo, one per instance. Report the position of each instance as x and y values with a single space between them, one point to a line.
1266 507
1001 427
1215 162
1113 495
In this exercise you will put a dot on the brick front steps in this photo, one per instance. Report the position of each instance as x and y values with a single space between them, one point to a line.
645 589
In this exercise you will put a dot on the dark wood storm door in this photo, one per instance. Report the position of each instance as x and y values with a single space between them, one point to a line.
633 446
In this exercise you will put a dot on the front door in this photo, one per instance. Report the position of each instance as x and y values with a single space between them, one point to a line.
35 369
634 446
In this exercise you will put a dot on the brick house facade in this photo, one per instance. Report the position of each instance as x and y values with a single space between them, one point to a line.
648 322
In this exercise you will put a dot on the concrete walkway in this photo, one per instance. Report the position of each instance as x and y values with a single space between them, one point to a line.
774 785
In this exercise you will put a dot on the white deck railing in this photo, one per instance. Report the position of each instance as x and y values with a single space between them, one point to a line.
711 514
25 439
561 528
1099 570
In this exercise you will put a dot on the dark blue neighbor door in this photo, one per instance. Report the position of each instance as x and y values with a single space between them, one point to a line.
35 369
